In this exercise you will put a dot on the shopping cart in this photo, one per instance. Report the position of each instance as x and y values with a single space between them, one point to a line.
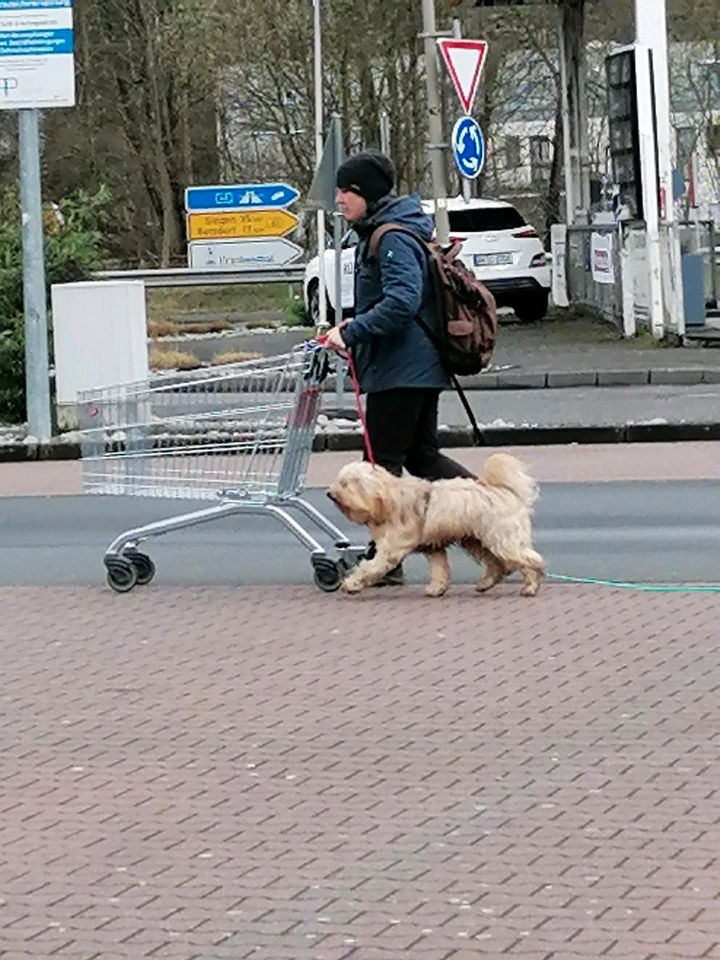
240 435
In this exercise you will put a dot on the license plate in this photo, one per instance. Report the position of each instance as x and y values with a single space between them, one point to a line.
492 259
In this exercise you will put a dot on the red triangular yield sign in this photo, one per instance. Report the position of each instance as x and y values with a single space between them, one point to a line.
464 60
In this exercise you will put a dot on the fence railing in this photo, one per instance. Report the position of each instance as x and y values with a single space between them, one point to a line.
193 277
594 269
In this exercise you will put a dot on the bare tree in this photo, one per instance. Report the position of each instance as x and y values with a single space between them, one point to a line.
144 116
170 92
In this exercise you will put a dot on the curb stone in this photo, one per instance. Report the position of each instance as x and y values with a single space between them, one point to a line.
686 376
450 437
560 379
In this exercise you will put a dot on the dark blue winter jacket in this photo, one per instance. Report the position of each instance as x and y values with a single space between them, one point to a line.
391 350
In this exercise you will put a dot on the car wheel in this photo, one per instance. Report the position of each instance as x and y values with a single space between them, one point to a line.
314 305
532 306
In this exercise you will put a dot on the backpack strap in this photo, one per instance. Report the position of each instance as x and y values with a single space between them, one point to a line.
373 247
476 431
379 232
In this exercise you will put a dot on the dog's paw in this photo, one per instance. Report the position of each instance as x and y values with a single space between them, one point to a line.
351 585
530 590
436 591
484 585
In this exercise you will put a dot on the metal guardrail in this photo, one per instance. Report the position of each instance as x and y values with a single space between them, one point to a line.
194 277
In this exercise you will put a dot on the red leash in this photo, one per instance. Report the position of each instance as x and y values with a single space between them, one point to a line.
360 409
358 402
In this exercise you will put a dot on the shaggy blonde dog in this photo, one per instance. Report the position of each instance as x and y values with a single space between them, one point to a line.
489 517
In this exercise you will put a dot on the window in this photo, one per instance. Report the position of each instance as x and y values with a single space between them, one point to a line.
540 158
477 220
540 150
714 79
713 139
512 153
685 139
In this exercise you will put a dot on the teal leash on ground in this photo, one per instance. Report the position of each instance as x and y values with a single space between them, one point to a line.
642 587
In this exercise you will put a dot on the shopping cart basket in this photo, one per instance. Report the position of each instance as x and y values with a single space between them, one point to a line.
240 435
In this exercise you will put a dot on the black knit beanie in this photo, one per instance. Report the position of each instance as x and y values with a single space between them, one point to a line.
370 174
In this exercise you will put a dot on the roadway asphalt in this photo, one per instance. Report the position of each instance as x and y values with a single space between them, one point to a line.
662 531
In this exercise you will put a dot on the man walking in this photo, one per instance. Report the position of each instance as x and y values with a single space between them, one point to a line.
398 365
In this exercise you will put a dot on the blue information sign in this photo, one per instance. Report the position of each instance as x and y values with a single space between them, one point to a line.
240 196
37 64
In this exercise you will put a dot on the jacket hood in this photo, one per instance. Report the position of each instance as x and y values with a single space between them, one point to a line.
405 210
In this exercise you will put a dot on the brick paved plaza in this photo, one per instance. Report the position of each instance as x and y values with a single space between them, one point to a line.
285 775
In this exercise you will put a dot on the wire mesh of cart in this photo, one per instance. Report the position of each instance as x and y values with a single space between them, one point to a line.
239 435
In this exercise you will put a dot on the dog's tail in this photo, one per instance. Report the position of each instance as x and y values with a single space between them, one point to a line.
502 470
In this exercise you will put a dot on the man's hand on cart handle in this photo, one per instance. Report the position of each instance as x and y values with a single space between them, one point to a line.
334 339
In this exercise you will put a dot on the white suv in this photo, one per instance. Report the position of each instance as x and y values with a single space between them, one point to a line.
497 244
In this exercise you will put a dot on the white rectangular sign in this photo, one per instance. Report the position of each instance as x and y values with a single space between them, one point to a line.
264 253
558 247
601 257
37 61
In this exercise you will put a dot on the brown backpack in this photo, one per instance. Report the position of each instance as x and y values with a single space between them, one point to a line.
466 308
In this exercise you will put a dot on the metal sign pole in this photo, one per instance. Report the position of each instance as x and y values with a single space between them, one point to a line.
37 42
337 235
570 179
437 144
37 378
318 80
385 132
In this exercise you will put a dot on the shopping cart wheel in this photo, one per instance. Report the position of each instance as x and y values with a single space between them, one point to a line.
144 567
328 574
121 574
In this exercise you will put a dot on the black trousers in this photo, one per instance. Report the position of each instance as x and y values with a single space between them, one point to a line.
402 426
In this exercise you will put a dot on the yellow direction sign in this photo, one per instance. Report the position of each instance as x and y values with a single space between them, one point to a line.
253 223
